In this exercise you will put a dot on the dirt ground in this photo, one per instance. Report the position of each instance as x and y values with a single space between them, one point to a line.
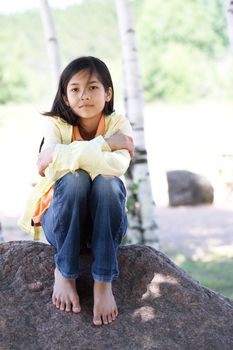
192 231
196 231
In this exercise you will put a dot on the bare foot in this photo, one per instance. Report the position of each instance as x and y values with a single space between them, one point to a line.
65 296
105 309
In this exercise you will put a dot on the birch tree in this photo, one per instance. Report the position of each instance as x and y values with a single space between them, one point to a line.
51 39
142 225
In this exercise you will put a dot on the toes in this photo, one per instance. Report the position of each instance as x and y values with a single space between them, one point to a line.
57 303
62 305
68 306
110 318
53 300
116 312
97 320
76 307
105 319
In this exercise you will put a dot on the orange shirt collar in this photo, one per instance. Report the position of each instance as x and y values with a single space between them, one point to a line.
76 136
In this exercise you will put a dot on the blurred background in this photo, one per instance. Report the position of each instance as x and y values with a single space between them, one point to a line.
187 74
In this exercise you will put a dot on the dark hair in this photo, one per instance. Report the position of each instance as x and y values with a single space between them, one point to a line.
92 65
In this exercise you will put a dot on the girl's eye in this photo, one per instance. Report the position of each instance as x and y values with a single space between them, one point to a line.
74 90
93 87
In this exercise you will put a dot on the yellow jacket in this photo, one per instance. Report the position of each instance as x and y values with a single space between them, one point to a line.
94 156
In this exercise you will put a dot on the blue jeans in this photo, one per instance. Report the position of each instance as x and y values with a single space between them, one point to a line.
84 211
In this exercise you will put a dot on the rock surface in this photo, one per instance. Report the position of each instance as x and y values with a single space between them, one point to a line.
160 306
187 188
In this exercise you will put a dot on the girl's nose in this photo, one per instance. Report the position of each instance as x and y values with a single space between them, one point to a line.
85 96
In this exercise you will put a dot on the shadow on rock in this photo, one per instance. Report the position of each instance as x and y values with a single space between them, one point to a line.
160 306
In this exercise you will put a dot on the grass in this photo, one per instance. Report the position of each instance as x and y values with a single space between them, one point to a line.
214 271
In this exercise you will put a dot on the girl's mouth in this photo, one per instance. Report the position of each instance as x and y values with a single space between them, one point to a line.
86 106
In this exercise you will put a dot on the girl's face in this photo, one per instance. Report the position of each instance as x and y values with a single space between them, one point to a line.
86 95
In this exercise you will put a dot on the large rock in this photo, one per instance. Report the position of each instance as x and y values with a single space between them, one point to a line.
187 188
160 306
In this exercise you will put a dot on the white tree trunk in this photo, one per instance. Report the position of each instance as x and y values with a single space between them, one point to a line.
51 38
143 223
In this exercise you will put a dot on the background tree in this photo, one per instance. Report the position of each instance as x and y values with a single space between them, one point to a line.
143 227
52 41
185 40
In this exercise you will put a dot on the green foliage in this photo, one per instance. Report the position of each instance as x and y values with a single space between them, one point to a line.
182 46
91 29
132 199
88 28
21 57
176 78
12 79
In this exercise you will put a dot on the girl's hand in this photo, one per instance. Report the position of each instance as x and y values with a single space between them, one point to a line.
44 158
120 141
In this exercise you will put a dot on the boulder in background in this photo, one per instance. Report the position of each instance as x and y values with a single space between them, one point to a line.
187 188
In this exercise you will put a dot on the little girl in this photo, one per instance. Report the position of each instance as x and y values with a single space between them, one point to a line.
80 198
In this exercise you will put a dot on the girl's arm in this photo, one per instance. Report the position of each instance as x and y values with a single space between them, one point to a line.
120 141
94 156
44 159
51 137
109 156
117 141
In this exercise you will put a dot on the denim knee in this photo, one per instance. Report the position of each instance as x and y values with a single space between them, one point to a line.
73 183
109 188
